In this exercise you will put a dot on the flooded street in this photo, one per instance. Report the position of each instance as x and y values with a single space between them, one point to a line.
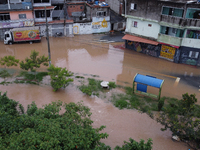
85 55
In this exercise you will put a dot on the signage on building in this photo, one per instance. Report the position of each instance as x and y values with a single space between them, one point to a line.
28 23
167 52
16 24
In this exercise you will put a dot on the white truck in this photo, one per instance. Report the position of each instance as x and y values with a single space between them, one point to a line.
26 34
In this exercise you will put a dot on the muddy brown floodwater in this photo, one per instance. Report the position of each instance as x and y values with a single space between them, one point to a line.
85 55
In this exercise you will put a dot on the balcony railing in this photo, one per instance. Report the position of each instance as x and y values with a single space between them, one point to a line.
169 39
189 42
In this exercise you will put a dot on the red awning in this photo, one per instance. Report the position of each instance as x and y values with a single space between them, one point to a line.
139 39
170 45
43 8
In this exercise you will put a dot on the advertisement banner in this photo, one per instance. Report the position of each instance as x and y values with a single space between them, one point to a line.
167 52
12 25
26 35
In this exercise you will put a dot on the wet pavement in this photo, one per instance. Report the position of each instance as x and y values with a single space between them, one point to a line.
88 55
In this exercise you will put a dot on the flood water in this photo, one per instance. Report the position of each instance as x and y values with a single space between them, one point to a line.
85 55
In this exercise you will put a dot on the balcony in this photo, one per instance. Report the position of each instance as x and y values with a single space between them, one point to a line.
39 3
189 42
172 19
169 39
21 6
4 7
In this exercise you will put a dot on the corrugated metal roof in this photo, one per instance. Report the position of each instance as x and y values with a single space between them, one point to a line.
139 39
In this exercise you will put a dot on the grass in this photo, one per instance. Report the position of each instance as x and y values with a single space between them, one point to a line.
31 78
94 87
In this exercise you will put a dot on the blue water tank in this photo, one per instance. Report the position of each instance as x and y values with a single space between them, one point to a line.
96 2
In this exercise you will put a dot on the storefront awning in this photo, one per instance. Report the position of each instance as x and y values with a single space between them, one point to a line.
139 39
43 8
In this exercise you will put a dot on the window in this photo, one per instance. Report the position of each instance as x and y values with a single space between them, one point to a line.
4 16
22 16
3 2
193 54
195 34
81 7
171 31
133 6
193 13
177 12
134 24
41 13
41 1
101 13
58 6
120 25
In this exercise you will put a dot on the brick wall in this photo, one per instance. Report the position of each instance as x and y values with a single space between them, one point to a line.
74 8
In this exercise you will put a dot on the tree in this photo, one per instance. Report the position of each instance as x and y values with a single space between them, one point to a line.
181 120
46 128
58 77
34 62
7 61
134 145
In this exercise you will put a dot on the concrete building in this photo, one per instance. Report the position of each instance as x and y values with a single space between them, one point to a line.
15 13
168 29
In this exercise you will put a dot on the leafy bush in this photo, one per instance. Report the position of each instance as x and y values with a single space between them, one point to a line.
134 145
180 119
121 104
112 85
45 128
58 77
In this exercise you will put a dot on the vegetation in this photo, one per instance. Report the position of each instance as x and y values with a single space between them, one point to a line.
161 103
45 128
134 145
34 62
58 77
180 119
7 61
94 87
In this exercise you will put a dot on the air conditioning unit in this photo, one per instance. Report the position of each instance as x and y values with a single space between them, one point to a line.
27 7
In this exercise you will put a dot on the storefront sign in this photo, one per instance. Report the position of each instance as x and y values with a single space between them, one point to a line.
167 52
12 24
28 23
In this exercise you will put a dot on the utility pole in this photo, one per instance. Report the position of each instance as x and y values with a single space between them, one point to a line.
65 9
47 34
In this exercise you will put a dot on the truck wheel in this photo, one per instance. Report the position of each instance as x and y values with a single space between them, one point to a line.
31 42
10 43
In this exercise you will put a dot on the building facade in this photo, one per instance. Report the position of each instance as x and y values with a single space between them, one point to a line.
165 29
65 17
15 13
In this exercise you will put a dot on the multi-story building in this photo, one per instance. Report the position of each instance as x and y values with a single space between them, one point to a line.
169 29
15 13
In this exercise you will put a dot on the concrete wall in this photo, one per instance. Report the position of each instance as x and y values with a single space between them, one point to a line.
15 15
188 42
144 28
114 4
82 28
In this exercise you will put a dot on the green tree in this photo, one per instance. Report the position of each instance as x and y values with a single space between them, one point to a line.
48 128
7 61
134 145
180 119
34 62
59 77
